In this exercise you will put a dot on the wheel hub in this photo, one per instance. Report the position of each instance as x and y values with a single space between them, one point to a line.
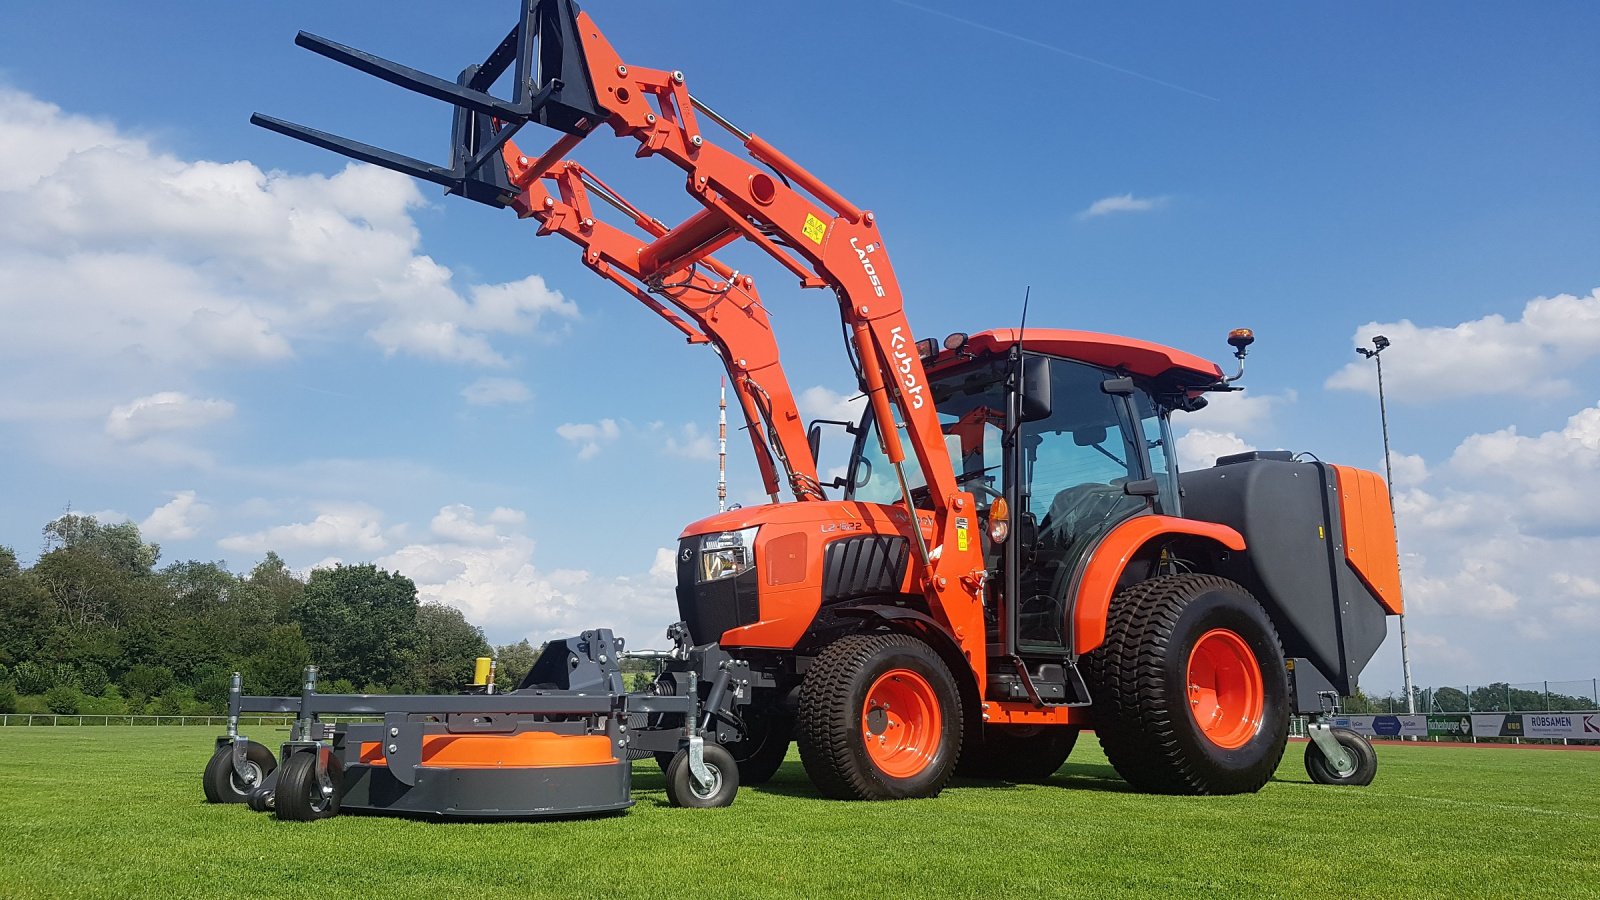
1226 694
901 723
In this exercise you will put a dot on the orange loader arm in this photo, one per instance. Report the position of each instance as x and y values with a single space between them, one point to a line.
568 76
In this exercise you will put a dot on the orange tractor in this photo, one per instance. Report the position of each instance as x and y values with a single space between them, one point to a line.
1013 555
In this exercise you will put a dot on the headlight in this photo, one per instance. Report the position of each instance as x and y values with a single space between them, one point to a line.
727 554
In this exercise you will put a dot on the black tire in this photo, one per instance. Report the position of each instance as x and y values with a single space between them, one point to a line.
260 799
1025 754
1140 681
223 784
683 790
766 743
833 721
298 797
1323 772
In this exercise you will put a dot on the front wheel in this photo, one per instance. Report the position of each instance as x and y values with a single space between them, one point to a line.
1191 694
1359 769
299 796
683 789
880 719
225 785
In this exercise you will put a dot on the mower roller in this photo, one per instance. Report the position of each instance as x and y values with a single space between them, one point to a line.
1011 557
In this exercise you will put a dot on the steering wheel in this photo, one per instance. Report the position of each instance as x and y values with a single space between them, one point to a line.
973 481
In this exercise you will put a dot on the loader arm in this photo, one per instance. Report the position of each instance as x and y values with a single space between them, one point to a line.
569 77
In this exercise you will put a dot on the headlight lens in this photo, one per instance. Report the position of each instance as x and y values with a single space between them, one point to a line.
727 554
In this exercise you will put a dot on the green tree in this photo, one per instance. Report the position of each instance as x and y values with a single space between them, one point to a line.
63 699
359 622
275 667
8 697
121 544
32 678
278 584
446 649
8 563
512 662
142 681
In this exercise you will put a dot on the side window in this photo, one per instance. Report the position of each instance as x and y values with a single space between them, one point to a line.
1158 443
1080 457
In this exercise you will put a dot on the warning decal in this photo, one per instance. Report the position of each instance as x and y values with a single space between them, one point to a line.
815 228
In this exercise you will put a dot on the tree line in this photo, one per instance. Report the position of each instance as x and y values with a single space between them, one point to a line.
95 627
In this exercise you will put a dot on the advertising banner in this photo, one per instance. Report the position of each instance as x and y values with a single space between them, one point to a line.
1458 725
1572 726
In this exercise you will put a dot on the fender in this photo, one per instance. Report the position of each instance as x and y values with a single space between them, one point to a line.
928 628
1108 559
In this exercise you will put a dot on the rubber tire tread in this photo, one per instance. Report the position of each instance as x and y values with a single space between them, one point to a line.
1366 760
828 727
680 788
1000 756
756 768
1137 726
218 778
292 800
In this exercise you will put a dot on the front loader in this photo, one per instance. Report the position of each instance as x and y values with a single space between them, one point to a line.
1012 555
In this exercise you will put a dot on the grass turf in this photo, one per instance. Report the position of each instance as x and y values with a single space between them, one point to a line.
117 811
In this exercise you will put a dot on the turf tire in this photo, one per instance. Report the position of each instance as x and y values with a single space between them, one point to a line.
298 797
1020 754
1322 772
683 790
223 785
1139 679
829 726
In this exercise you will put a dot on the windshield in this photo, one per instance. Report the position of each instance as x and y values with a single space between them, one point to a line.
971 404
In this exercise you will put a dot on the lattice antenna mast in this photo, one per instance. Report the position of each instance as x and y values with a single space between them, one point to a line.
722 449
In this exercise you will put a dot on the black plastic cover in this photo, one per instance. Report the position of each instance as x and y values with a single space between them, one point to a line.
712 607
866 566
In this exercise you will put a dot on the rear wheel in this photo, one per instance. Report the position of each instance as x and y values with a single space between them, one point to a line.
1191 695
1019 753
1361 768
225 785
880 719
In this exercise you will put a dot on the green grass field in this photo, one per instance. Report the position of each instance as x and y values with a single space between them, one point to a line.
118 812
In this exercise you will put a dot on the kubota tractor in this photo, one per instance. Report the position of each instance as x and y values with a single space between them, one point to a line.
1013 555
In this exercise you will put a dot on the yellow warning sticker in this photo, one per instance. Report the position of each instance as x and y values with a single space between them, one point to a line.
961 534
815 228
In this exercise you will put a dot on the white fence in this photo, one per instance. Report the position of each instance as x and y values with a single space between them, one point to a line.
48 719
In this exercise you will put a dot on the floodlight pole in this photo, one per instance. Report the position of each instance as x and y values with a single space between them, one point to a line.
1381 343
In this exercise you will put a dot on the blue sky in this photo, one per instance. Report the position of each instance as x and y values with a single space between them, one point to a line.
227 337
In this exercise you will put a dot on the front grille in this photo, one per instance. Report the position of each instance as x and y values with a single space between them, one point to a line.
863 567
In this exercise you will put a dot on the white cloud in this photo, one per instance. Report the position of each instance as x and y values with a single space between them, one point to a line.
162 412
144 267
176 520
1121 203
1497 541
1199 448
490 575
688 441
1484 356
819 402
496 392
589 436
1236 411
355 528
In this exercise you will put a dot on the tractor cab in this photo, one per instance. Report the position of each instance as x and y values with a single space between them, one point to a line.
1058 445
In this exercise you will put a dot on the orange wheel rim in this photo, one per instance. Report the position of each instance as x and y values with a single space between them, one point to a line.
1225 691
901 724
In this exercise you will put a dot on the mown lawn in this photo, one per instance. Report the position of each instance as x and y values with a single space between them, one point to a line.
118 812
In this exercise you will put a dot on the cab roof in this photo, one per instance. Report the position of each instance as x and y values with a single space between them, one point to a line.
1131 355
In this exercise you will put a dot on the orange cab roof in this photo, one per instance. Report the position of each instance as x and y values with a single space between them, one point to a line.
1112 351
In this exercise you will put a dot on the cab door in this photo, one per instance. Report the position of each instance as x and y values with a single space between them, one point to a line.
1073 466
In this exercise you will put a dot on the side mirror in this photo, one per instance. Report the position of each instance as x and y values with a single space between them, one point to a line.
814 433
1035 388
